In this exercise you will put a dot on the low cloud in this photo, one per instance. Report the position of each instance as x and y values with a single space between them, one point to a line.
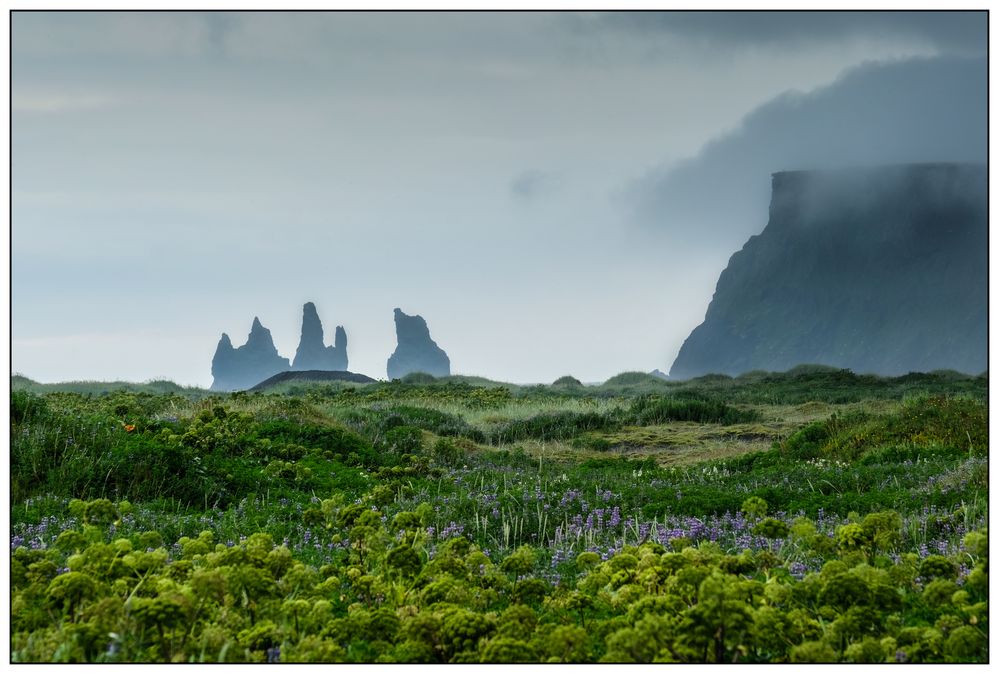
533 185
912 111
964 32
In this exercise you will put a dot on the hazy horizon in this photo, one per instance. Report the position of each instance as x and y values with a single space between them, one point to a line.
555 193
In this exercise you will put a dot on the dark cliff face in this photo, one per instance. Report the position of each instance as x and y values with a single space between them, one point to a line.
879 270
416 352
243 367
312 354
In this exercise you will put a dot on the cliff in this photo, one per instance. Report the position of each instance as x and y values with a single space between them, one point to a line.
880 270
235 369
415 351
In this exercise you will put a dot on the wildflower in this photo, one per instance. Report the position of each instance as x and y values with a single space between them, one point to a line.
129 427
615 518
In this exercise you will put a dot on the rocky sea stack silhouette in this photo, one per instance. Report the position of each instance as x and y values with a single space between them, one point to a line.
238 369
879 270
416 352
312 354
235 369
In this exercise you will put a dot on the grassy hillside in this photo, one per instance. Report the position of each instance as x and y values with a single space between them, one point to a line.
160 386
462 521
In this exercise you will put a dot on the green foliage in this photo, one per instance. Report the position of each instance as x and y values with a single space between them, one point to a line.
418 378
25 406
700 605
937 566
553 426
754 507
954 426
396 523
426 418
771 528
652 409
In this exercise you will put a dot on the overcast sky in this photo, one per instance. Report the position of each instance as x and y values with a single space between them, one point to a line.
531 184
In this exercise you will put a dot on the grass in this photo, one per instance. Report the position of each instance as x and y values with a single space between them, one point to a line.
476 471
157 386
423 443
76 444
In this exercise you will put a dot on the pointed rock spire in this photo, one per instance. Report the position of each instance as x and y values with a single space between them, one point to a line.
246 366
312 354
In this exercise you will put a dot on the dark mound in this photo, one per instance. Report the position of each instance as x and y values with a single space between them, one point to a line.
418 378
632 379
312 376
567 380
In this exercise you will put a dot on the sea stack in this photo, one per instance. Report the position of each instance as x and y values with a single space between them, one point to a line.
416 352
312 354
236 369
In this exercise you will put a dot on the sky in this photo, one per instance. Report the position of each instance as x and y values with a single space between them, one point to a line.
555 193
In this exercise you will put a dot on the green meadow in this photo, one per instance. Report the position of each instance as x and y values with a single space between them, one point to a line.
809 516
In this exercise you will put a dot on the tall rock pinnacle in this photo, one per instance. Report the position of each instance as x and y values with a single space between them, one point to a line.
416 352
312 354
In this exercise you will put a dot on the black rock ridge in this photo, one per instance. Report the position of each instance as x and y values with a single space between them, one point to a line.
240 368
879 270
415 351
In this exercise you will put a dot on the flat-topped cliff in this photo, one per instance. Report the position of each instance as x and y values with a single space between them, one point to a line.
880 270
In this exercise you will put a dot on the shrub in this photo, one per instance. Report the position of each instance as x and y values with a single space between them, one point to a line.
553 426
771 528
508 650
754 507
651 410
403 440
